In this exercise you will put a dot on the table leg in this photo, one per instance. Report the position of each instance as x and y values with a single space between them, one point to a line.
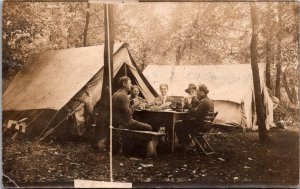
172 137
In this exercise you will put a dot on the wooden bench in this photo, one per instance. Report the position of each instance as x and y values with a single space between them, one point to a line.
152 138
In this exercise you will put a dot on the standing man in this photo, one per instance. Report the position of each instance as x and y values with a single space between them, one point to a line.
164 101
198 110
122 112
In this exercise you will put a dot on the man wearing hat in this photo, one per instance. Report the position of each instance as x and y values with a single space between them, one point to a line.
191 90
198 110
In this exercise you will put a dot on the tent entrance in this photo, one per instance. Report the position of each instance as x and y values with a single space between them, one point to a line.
125 70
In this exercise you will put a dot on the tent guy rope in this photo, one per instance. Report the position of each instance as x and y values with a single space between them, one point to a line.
35 117
46 126
40 138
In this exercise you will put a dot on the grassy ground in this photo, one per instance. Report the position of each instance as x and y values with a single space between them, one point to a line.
239 161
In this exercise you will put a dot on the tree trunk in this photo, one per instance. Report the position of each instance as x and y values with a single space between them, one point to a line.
268 74
294 94
191 47
287 89
268 44
296 20
295 83
86 27
263 135
278 83
278 65
144 63
178 55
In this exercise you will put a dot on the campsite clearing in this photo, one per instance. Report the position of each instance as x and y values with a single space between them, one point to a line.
240 160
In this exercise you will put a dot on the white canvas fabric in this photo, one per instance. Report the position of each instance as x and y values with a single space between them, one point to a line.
229 113
51 79
91 93
226 84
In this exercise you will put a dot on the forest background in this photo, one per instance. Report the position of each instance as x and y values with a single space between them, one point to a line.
202 33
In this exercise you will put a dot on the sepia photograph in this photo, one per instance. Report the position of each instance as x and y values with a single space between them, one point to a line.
141 94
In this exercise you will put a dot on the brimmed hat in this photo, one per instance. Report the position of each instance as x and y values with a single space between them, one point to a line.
191 86
203 88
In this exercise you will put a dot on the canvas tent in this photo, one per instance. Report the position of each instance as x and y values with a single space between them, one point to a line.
56 81
231 86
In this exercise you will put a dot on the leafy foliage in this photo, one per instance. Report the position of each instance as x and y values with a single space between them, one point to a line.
157 33
35 27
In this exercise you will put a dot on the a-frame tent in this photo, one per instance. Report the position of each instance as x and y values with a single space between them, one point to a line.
230 86
52 84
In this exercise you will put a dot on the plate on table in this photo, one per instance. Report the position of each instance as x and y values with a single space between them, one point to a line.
155 108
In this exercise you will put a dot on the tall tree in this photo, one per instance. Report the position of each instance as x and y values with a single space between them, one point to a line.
294 95
287 88
86 27
295 67
278 64
268 46
263 135
179 53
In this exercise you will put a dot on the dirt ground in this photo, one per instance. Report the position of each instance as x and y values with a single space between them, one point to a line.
239 161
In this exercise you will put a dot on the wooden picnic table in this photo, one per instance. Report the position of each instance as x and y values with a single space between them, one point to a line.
165 118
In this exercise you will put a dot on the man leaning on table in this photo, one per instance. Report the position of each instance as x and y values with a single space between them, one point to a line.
164 101
198 110
122 112
135 100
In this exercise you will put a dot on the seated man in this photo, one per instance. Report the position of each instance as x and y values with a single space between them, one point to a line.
164 101
122 112
135 100
191 90
198 110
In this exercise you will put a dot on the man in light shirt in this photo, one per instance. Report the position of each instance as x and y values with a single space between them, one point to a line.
164 101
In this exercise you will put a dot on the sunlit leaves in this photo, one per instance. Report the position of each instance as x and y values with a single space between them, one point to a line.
157 33
35 27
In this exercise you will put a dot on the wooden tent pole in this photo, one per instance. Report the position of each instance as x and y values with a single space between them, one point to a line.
110 97
109 42
125 69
